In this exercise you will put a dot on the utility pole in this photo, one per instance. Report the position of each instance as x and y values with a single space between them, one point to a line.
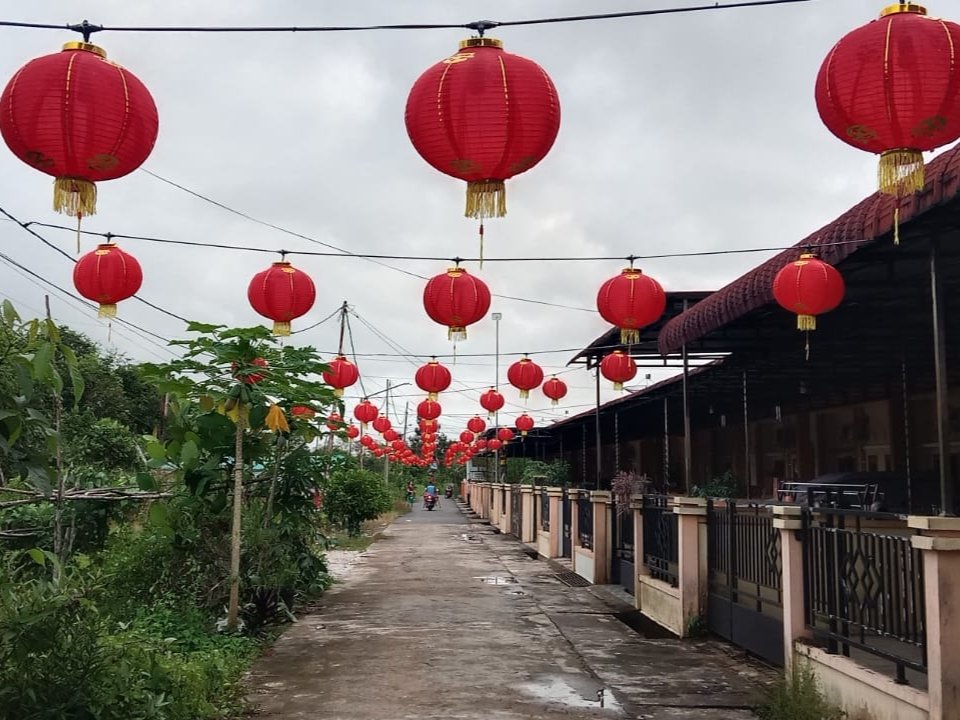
496 383
386 456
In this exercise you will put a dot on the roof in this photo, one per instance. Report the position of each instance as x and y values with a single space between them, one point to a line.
864 224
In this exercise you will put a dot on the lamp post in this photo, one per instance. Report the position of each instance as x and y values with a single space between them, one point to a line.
496 317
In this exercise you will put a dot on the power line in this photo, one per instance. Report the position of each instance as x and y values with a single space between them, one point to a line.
480 26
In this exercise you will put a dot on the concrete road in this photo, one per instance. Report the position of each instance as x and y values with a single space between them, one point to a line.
444 619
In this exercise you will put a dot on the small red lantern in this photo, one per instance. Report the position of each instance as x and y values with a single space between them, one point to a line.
429 410
494 445
365 412
483 115
341 375
429 426
525 375
466 437
397 445
456 299
618 368
252 378
334 422
107 276
352 431
281 293
892 87
381 424
480 444
80 118
303 411
433 378
491 401
367 441
505 435
524 424
476 425
555 389
808 287
390 435
631 301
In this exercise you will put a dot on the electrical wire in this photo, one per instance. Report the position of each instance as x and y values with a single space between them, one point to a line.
353 350
480 26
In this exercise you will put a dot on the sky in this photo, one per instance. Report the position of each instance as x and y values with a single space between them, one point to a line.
679 133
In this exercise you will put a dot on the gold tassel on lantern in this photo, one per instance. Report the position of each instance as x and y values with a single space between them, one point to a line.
486 198
457 333
806 322
629 336
901 172
281 328
618 386
338 392
432 396
108 310
524 394
74 197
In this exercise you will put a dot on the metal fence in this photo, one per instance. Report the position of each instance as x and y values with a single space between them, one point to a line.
660 541
585 523
863 586
544 511
516 514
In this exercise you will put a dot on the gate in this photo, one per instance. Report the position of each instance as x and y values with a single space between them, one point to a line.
566 548
516 512
745 604
622 562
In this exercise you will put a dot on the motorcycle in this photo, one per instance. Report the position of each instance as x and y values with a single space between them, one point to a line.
429 501
448 492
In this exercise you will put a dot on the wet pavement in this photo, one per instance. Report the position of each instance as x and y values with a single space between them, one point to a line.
446 619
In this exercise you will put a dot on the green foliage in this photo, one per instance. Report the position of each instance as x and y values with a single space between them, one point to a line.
798 698
353 496
555 473
724 486
103 444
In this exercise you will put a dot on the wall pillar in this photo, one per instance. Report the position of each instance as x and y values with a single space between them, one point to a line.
575 495
691 513
528 533
602 548
555 495
507 518
940 543
788 520
495 506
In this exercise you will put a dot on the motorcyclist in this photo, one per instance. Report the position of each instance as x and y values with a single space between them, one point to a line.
411 492
431 491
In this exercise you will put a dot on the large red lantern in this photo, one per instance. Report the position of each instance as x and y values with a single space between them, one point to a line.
619 368
808 287
433 378
107 275
281 293
525 375
524 424
365 412
476 425
429 410
491 401
341 375
555 389
631 301
505 434
483 115
892 87
456 299
80 118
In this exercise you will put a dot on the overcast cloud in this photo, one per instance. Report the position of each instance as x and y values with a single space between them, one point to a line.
679 133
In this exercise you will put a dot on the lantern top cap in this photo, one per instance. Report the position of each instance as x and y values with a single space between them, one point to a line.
904 7
632 271
481 42
85 46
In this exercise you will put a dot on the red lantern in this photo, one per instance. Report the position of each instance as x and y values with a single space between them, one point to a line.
80 118
433 378
390 435
494 445
304 411
381 424
353 431
367 441
892 87
429 410
618 368
505 434
466 437
252 378
397 445
334 422
341 375
456 299
483 115
281 293
491 401
808 287
476 425
480 444
365 412
429 426
107 276
524 424
631 301
555 389
525 375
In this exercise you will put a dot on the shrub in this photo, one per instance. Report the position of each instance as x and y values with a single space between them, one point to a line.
798 698
353 496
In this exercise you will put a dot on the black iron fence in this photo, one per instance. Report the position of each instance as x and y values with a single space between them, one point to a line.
585 522
660 541
516 514
544 511
863 585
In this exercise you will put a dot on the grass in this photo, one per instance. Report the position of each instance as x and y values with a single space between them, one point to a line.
372 530
798 698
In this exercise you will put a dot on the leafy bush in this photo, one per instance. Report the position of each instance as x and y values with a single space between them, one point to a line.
798 698
724 486
353 496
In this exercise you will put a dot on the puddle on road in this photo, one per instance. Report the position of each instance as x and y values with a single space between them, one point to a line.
470 538
497 579
573 691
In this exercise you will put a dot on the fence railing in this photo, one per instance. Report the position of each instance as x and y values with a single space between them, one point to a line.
863 586
585 523
744 553
544 511
516 512
660 539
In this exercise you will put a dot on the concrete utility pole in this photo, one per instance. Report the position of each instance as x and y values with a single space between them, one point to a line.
386 457
496 384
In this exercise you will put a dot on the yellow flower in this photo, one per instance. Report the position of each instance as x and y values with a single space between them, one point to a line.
276 420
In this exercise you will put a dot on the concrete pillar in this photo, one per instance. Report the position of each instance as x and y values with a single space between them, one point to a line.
576 497
484 501
602 536
495 503
788 519
555 495
507 518
528 531
691 513
940 543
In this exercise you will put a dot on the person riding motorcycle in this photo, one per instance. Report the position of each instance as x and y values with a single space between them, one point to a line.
431 491
411 492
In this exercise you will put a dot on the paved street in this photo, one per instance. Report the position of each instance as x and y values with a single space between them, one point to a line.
444 619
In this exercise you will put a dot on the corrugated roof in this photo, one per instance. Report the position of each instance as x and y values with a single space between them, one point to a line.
863 224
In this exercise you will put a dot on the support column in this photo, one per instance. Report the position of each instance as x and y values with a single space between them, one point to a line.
940 543
555 495
495 490
691 513
576 497
602 550
788 520
640 567
506 519
528 532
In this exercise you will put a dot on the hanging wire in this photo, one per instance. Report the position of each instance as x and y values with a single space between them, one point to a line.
353 352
